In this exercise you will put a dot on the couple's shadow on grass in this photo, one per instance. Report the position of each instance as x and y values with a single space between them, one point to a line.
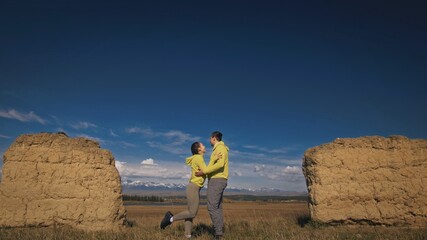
202 228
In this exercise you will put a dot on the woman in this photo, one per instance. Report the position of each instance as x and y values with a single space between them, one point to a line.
196 162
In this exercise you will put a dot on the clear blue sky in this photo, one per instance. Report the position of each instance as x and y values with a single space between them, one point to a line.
147 78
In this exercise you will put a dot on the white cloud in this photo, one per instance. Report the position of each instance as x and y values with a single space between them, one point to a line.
169 147
287 173
247 155
23 117
99 140
145 132
127 145
282 150
60 130
241 174
175 135
180 137
291 170
173 141
237 173
5 137
120 166
161 171
148 161
133 130
240 156
113 134
57 120
83 125
259 168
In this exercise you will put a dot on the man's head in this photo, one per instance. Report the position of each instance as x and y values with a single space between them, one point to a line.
198 148
215 137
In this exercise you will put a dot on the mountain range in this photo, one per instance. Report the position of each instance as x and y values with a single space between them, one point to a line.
154 188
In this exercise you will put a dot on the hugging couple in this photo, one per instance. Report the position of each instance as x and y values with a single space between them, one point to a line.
217 173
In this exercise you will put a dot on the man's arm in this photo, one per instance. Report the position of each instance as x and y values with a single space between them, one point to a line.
201 164
217 165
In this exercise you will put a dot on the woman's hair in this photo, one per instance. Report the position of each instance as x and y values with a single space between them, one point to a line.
195 148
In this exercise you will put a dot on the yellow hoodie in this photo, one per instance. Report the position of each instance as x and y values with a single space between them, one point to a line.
218 168
196 162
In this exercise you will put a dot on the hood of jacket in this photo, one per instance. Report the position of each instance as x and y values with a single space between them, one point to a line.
189 160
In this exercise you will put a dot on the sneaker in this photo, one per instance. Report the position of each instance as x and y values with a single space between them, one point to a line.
166 220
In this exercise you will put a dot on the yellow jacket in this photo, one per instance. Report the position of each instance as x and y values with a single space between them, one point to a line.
218 168
196 162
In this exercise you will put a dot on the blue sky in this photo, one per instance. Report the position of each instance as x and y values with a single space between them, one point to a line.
147 78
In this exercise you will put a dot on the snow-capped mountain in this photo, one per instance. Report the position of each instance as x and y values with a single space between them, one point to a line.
138 186
141 185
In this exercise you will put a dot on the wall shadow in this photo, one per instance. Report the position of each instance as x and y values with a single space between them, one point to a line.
303 220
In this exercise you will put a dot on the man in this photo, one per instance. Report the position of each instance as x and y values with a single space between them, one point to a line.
217 172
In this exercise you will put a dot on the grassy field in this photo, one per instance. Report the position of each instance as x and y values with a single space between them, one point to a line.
243 220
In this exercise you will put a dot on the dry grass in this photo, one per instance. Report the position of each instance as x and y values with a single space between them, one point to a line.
243 220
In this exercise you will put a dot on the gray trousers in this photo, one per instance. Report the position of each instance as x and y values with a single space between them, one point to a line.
216 187
193 195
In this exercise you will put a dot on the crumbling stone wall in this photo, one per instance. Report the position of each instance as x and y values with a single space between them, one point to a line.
371 180
51 179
